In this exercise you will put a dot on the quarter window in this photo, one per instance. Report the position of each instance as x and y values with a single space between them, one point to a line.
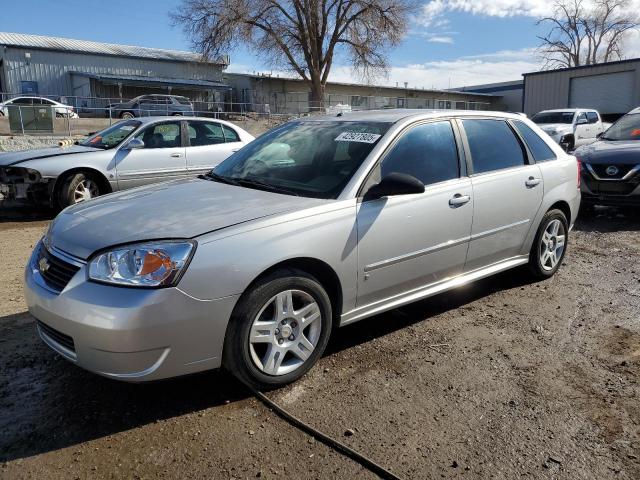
230 135
540 151
493 145
427 152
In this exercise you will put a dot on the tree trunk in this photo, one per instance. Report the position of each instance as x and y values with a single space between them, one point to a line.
316 101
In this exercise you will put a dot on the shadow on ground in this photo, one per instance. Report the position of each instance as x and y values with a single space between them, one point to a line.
48 403
609 219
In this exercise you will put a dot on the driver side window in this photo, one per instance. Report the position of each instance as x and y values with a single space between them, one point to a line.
163 135
427 152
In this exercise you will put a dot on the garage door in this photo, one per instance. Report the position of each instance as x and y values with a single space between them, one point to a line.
607 93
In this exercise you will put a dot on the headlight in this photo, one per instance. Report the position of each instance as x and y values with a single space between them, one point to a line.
153 264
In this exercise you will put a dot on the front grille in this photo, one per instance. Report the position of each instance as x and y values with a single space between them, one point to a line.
65 340
54 271
601 170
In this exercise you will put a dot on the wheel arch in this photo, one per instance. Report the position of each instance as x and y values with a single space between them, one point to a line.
319 269
104 184
564 207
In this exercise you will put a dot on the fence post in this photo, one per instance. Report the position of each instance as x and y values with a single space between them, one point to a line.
69 123
21 124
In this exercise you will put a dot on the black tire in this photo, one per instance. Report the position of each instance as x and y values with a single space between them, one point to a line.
237 357
127 115
59 115
536 268
176 114
70 184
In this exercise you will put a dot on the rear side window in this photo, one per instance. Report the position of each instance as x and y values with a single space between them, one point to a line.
427 152
592 117
539 149
493 145
204 133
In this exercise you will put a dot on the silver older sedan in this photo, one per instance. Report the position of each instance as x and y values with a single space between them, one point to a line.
125 155
317 224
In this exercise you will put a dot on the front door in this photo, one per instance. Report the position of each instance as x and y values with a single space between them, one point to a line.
583 130
162 158
207 146
406 242
507 192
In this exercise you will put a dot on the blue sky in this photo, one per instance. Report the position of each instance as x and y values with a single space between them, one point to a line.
452 43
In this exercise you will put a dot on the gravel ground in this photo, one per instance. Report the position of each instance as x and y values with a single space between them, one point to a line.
499 379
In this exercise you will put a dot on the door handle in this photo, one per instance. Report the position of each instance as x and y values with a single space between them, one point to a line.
176 155
458 200
532 182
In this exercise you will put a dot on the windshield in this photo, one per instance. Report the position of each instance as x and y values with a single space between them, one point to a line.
553 117
312 159
112 136
626 128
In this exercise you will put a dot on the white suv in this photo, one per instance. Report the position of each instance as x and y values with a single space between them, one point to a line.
571 127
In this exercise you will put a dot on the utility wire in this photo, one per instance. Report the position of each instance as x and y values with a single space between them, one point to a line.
326 439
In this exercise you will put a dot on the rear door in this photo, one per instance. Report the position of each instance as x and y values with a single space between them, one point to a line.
162 158
207 146
410 241
507 191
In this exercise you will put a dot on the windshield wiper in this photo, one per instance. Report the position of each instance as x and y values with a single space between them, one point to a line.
250 182
219 178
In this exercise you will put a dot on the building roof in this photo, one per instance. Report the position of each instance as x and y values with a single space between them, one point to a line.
114 79
85 46
347 84
570 69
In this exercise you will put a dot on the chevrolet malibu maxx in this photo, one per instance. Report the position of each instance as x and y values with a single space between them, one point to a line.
317 224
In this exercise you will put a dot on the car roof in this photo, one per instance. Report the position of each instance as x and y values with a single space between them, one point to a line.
573 110
398 114
177 118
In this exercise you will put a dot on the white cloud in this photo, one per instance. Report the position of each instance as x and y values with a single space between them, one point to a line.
439 39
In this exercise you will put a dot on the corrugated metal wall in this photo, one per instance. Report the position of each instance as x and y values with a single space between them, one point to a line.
51 69
551 90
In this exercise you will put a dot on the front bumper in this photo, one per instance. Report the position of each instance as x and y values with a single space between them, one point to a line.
127 333
610 192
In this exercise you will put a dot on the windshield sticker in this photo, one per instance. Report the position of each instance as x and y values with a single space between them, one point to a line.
361 137
127 128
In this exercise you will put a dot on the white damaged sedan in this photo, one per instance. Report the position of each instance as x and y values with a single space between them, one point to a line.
128 154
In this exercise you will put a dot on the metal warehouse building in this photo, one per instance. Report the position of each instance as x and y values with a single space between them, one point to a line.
39 65
612 88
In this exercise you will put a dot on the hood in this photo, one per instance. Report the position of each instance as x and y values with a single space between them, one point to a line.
14 158
555 126
609 152
178 209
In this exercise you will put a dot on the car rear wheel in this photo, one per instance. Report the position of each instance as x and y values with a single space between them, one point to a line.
549 246
127 115
77 188
176 114
278 330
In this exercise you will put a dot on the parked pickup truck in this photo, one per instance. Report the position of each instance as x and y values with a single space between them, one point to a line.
571 127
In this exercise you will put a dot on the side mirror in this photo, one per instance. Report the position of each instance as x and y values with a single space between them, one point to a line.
582 121
134 144
395 184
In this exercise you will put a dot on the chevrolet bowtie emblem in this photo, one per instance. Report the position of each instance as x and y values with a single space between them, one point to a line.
43 265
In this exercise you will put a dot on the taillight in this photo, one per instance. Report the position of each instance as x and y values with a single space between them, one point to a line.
579 171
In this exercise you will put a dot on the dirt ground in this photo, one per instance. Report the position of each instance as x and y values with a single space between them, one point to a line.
499 379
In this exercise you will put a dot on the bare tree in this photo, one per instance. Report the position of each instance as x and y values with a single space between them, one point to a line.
303 36
586 33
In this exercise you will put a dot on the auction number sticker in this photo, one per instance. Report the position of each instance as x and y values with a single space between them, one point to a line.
361 137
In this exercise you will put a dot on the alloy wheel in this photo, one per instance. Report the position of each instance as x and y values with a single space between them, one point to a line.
86 190
552 245
285 332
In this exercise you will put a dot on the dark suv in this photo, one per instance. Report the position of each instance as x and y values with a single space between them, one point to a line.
151 106
611 166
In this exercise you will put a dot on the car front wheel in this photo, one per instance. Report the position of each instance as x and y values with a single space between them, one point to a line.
78 187
127 115
278 330
549 246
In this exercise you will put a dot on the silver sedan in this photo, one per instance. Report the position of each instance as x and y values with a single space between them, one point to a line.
317 224
128 154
